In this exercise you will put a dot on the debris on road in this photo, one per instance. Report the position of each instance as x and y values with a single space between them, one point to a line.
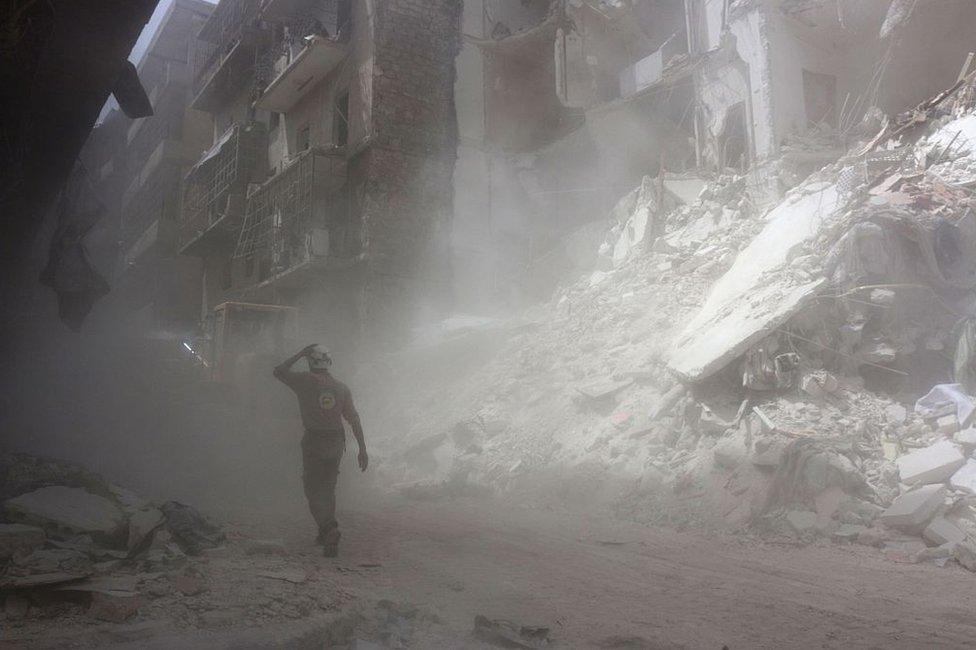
509 634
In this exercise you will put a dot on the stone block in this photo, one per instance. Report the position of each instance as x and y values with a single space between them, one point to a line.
933 464
964 479
947 424
942 531
849 532
68 509
802 521
914 509
966 437
16 538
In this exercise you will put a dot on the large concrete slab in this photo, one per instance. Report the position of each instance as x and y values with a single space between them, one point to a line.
912 510
68 509
933 464
746 304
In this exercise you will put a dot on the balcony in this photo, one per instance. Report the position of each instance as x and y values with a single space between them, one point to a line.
298 224
149 212
215 188
227 46
300 72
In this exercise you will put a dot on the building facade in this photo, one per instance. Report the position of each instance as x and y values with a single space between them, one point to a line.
137 168
328 182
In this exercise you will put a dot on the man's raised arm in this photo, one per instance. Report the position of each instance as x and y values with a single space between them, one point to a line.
282 371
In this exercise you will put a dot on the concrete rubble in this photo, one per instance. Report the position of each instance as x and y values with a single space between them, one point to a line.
780 358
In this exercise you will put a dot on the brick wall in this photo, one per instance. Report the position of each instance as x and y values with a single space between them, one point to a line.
407 172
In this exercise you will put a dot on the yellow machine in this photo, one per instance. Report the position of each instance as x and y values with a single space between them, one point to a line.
247 340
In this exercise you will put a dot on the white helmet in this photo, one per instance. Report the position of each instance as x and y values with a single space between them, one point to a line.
319 358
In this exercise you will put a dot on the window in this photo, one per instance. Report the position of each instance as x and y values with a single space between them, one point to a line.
303 138
820 98
273 120
340 121
343 18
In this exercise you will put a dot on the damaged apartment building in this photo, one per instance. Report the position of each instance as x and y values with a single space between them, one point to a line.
564 107
136 167
328 182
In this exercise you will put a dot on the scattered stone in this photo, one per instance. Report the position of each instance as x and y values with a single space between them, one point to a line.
849 532
965 555
68 509
15 607
142 524
19 538
913 509
802 521
966 437
942 531
188 585
964 479
113 608
933 464
947 424
191 530
730 452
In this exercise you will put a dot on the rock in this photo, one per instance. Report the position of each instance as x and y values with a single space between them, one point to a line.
68 509
730 452
933 464
871 537
812 387
264 547
913 510
15 607
947 424
941 552
54 560
966 437
190 529
964 479
802 521
142 523
896 413
942 531
19 538
849 532
112 608
965 555
188 585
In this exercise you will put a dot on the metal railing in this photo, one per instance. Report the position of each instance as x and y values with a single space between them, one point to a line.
279 216
238 159
231 21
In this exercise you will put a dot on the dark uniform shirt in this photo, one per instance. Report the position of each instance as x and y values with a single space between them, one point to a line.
322 399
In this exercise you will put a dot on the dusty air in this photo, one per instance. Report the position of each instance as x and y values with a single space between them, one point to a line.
474 324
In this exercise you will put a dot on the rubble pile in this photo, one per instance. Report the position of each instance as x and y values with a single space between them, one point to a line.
76 548
769 362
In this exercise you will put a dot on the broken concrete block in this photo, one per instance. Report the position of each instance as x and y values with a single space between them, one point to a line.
812 387
966 437
913 510
965 555
141 525
115 609
802 521
16 538
933 464
730 452
964 478
849 532
896 413
883 297
942 531
68 509
947 424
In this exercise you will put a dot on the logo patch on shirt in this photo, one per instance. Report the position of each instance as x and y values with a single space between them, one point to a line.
327 401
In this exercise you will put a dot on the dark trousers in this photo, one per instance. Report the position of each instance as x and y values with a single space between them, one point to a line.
321 455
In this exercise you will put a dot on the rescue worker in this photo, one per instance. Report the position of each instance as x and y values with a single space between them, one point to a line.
323 402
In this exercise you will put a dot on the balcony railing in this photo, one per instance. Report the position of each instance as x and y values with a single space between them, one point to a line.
297 218
215 189
225 51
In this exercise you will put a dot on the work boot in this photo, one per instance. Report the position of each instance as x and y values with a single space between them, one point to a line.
329 539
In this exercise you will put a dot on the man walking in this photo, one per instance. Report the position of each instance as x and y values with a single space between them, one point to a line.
323 402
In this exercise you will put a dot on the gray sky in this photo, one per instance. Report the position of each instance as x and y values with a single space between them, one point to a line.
140 47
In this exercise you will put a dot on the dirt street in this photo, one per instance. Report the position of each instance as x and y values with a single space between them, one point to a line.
599 583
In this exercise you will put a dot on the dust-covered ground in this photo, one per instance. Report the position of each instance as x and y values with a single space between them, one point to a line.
415 574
